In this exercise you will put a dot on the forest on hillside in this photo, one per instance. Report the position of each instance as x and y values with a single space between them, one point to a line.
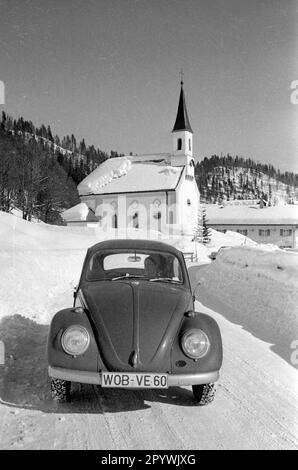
230 178
39 172
32 180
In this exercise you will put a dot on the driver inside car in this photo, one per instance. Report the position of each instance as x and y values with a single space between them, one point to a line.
153 268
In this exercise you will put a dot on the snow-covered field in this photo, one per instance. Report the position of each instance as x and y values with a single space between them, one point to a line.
251 290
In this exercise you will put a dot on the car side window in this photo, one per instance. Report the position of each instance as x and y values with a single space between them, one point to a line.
177 269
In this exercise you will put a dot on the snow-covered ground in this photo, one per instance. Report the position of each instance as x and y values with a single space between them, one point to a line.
251 290
259 287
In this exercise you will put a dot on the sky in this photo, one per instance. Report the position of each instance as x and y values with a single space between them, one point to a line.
108 71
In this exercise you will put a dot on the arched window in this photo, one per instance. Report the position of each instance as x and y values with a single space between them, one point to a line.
159 221
135 220
115 221
179 144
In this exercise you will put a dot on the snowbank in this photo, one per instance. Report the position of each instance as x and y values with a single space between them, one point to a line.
265 262
259 285
228 238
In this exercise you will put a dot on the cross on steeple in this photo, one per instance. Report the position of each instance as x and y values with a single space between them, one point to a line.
181 75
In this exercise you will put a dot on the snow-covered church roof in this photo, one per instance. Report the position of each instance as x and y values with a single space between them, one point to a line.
131 174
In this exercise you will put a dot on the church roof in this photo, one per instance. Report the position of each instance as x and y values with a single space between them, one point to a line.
182 121
123 175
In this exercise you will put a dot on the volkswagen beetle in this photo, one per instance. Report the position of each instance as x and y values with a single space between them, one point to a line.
133 325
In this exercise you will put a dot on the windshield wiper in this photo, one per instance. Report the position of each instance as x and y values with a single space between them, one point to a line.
165 279
129 276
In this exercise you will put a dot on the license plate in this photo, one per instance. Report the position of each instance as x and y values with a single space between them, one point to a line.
132 380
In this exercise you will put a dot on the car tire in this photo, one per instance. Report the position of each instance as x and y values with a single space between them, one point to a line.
204 394
60 390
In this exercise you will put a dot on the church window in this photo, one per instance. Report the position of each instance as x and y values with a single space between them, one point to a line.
115 221
179 144
159 221
135 220
189 144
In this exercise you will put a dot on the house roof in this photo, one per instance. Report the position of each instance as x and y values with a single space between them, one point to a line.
78 213
124 175
252 215
182 122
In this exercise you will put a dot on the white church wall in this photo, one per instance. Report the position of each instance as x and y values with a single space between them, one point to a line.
157 211
132 209
188 200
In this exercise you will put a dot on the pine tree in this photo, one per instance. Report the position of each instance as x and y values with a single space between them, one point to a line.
198 231
206 229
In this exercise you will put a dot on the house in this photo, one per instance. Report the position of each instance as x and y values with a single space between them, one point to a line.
277 224
149 191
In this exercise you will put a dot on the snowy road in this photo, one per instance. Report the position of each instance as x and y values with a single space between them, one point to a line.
255 405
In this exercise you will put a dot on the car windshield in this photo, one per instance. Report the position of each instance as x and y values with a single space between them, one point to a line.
153 266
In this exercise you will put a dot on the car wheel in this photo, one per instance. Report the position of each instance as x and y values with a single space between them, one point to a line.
60 390
204 394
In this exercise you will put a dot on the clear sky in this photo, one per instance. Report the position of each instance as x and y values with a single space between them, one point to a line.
108 70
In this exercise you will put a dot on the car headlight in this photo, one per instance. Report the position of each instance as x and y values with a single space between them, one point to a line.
75 340
195 343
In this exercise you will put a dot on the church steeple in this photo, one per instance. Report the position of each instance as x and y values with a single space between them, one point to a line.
182 131
182 121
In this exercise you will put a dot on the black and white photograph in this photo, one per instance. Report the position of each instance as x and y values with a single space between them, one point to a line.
148 227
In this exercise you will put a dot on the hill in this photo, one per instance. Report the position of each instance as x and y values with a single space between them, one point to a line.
233 178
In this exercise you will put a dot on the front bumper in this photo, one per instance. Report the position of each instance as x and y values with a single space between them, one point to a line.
95 377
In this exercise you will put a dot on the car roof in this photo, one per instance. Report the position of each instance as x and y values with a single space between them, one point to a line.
134 243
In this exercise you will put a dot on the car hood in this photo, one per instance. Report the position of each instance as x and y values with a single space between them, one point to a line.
135 322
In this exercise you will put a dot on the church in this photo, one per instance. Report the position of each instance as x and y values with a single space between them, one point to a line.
147 192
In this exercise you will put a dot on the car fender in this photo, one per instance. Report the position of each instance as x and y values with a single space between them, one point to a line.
57 357
212 361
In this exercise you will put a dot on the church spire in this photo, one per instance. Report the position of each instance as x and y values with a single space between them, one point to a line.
182 121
